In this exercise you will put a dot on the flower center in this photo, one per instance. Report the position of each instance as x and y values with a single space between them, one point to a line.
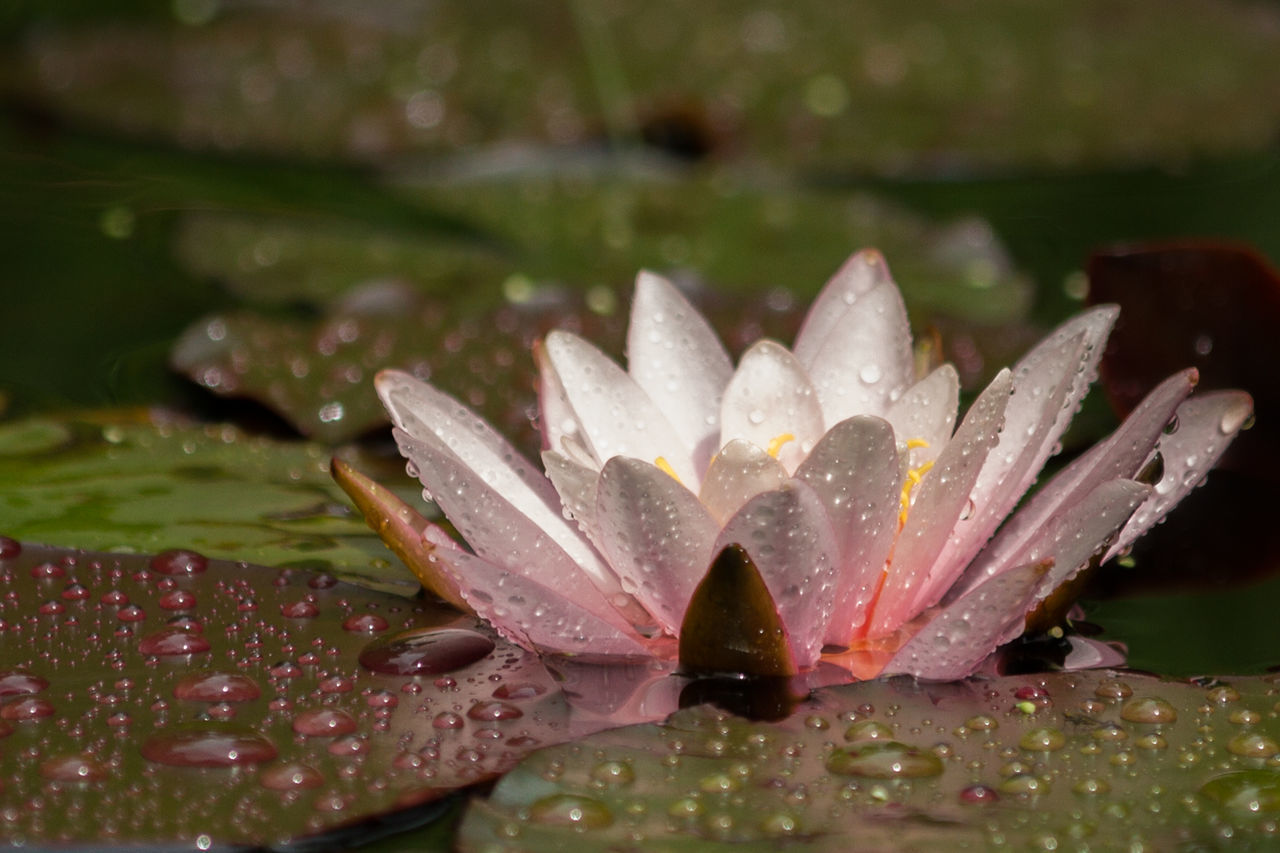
664 466
775 445
914 476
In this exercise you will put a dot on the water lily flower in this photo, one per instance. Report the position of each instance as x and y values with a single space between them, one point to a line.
822 502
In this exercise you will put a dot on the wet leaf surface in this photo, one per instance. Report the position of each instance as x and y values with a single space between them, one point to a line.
883 92
1101 759
154 482
178 700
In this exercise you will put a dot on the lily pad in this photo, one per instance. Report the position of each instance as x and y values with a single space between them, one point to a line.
1100 759
437 320
176 700
156 482
891 89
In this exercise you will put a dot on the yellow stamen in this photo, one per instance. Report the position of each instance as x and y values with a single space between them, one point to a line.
914 476
775 446
665 467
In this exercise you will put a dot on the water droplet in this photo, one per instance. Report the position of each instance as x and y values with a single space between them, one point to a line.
883 760
1252 745
17 682
978 795
1148 710
613 774
290 776
1091 787
211 746
179 562
177 599
216 687
324 722
868 730
870 374
73 768
9 548
367 623
299 610
1024 785
1245 790
1043 740
425 652
570 810
519 690
172 641
491 711
27 708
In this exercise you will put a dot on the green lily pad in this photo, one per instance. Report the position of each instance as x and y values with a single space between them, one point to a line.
158 483
893 88
178 701
1098 759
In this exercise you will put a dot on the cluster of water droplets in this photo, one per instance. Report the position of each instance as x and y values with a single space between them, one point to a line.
168 698
1047 761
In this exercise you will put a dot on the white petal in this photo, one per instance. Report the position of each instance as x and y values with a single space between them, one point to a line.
788 537
451 445
960 636
739 472
576 484
1049 382
1081 532
498 531
866 360
673 354
656 535
538 617
939 507
1206 424
616 415
1120 455
927 412
855 472
769 397
859 274
556 420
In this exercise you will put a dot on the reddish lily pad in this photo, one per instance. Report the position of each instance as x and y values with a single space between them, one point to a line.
1046 761
1212 306
178 700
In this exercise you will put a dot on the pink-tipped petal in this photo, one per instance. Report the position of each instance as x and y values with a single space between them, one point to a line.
940 508
1049 383
866 361
926 414
441 427
739 472
554 619
770 397
656 535
496 529
673 354
855 472
1120 455
957 639
1080 533
1206 424
617 417
788 537
859 274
